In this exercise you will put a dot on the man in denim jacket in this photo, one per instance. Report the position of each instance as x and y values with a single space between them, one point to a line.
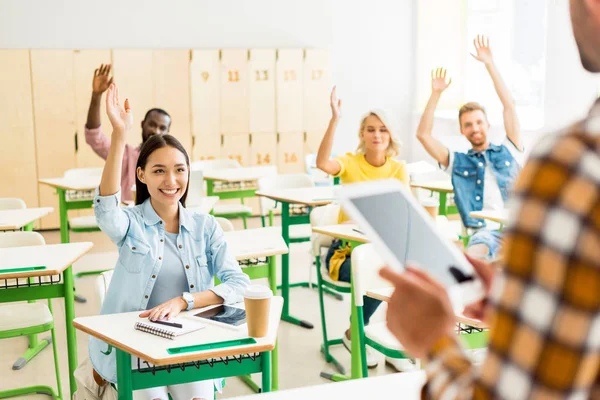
483 177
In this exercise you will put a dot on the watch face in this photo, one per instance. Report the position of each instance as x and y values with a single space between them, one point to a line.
188 297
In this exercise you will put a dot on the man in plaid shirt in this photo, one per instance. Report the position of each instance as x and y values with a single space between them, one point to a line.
544 305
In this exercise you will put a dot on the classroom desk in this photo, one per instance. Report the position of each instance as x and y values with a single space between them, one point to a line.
499 216
250 247
62 185
472 329
307 198
405 385
443 187
187 365
235 183
14 220
57 259
352 233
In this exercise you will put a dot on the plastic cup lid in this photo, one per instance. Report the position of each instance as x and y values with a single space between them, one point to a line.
258 292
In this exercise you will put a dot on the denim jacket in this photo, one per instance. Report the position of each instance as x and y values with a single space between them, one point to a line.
468 171
139 234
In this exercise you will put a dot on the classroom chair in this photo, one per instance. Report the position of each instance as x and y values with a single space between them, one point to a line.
319 177
9 203
366 264
86 223
225 224
28 319
228 211
320 216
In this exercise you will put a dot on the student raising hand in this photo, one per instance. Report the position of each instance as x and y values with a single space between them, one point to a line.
438 80
482 47
120 115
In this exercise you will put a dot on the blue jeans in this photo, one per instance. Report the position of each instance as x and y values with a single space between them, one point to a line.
369 304
492 239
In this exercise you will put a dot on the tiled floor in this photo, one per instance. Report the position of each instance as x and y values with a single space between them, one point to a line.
300 358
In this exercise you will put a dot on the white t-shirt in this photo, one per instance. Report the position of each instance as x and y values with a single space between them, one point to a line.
492 198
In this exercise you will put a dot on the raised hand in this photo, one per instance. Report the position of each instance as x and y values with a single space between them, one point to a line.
438 80
102 79
482 47
120 115
336 105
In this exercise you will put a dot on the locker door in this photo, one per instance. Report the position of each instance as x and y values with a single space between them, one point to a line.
133 72
17 153
313 141
54 116
207 147
172 91
204 83
234 91
289 90
317 89
86 62
262 91
290 157
263 149
236 147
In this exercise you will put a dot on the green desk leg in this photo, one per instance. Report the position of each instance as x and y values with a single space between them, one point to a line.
285 270
443 210
69 293
124 384
275 352
265 361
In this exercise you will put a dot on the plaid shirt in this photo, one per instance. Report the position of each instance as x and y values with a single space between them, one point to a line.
545 305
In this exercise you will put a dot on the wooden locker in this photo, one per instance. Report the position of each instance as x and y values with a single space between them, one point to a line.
207 147
133 72
262 91
289 90
204 82
290 153
263 149
236 147
85 63
317 89
312 141
54 116
172 91
17 153
235 108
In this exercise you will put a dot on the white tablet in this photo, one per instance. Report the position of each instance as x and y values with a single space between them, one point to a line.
403 232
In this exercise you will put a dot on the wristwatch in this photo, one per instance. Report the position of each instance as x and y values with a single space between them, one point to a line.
189 299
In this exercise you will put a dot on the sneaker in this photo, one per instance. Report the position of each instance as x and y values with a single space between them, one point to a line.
371 359
402 364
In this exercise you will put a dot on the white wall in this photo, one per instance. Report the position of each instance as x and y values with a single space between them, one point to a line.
371 44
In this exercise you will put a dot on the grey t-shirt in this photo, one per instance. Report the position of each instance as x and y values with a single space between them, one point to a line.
171 282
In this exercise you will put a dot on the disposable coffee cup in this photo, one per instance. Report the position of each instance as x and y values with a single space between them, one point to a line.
431 206
257 300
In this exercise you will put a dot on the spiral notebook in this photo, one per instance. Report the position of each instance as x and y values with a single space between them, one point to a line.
168 331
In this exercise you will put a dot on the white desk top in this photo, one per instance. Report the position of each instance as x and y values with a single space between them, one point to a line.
55 257
87 183
207 203
384 294
437 186
348 232
11 220
239 174
254 243
342 231
118 330
500 216
406 386
316 196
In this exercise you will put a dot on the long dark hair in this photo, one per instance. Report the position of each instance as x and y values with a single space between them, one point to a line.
156 142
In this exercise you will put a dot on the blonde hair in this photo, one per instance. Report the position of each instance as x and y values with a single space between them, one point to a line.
469 107
393 149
